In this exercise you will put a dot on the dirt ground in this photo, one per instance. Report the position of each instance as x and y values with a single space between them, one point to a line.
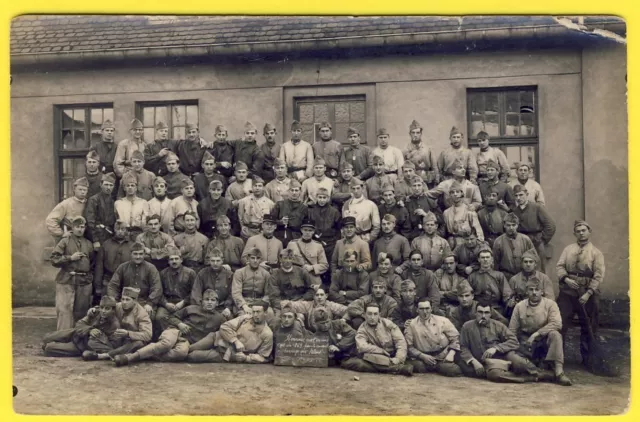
71 386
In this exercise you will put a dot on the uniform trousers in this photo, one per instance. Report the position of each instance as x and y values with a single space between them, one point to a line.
72 303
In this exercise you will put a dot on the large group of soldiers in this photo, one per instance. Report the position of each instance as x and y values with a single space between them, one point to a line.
198 251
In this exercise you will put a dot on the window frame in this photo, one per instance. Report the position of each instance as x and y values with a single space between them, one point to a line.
297 100
503 142
61 154
140 105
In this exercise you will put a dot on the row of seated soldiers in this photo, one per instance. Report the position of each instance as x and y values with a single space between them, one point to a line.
169 291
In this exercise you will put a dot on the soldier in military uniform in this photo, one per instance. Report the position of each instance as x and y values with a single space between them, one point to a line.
421 156
328 149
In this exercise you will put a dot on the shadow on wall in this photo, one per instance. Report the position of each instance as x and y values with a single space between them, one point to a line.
32 277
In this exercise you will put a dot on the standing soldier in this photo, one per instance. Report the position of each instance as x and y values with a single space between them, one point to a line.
191 150
212 207
269 151
191 243
126 147
160 205
92 172
183 204
252 208
217 278
113 252
297 154
509 248
390 242
155 152
328 149
580 271
433 247
278 188
506 200
364 211
378 182
106 147
309 253
487 154
356 154
156 244
247 151
174 178
403 186
144 177
326 220
536 223
289 214
100 213
392 156
230 246
242 186
74 256
491 217
460 217
177 282
58 220
222 151
421 156
419 204
457 152
341 191
350 242
208 175
319 180
532 187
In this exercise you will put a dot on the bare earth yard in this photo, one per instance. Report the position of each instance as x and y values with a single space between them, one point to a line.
71 386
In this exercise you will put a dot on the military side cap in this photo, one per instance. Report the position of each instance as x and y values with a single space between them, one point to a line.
93 155
109 177
320 314
107 301
279 162
137 155
325 124
191 126
346 166
463 287
186 182
492 164
136 124
454 130
531 254
294 183
131 292
407 285
581 223
352 131
382 131
171 157
408 165
414 125
356 182
249 126
82 181
107 124
207 157
221 129
241 165
161 125
267 128
319 162
159 180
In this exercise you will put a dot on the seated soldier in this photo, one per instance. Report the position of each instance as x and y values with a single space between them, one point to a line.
488 349
425 281
245 339
135 329
218 279
433 247
509 248
230 246
202 181
187 325
433 342
81 338
460 217
155 243
306 307
266 243
364 211
252 208
537 323
288 324
392 206
309 253
466 309
467 252
326 220
418 205
177 283
143 177
289 282
518 283
488 284
491 217
349 284
385 271
191 243
212 207
140 274
381 346
353 242
387 305
251 283
391 242
183 204
448 281
407 308
342 338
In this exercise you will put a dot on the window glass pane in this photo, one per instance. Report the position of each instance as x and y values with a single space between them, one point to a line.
307 132
149 134
192 114
491 103
321 113
96 123
340 132
148 117
512 127
306 113
356 111
67 139
527 100
342 112
162 115
72 168
491 124
67 119
108 114
512 100
179 132
81 140
179 115
78 119
527 127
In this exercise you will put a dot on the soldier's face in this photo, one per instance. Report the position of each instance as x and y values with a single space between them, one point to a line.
120 232
254 261
491 199
258 314
287 319
417 187
172 166
137 256
137 133
389 198
347 174
241 175
175 261
294 193
471 241
384 266
460 171
307 233
465 299
483 314
486 260
408 172
349 230
354 139
521 198
325 133
153 226
318 171
356 190
131 188
483 143
127 303
258 189
378 290
215 261
456 140
108 134
106 187
408 295
582 233
215 192
492 173
224 228
160 189
296 134
193 134
320 297
416 261
424 310
523 172
322 199
78 229
188 191
383 141
430 227
372 315
378 167
270 136
387 226
250 135
449 265
190 222
416 135
209 303
106 311
457 195
268 228
221 136
162 134
323 326
350 262
280 171
286 261
80 192
534 294
209 166
92 165
528 265
137 164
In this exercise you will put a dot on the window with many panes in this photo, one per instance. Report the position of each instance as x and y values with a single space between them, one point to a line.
77 129
510 116
341 111
175 114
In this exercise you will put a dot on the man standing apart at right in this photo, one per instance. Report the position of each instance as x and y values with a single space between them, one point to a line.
580 272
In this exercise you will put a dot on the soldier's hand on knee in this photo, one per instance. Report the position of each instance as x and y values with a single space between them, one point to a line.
489 353
239 346
226 313
184 328
429 360
149 309
95 333
477 366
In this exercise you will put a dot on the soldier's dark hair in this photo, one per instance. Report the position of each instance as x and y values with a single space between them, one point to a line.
424 299
262 303
484 303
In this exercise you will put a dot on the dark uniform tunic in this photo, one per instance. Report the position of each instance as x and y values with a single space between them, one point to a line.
152 161
296 211
99 211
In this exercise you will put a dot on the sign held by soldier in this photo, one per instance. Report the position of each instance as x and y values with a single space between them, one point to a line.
311 351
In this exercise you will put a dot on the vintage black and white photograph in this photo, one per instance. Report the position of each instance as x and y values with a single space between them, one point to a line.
319 215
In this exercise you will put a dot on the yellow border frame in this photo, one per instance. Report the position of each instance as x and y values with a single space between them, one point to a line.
623 8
